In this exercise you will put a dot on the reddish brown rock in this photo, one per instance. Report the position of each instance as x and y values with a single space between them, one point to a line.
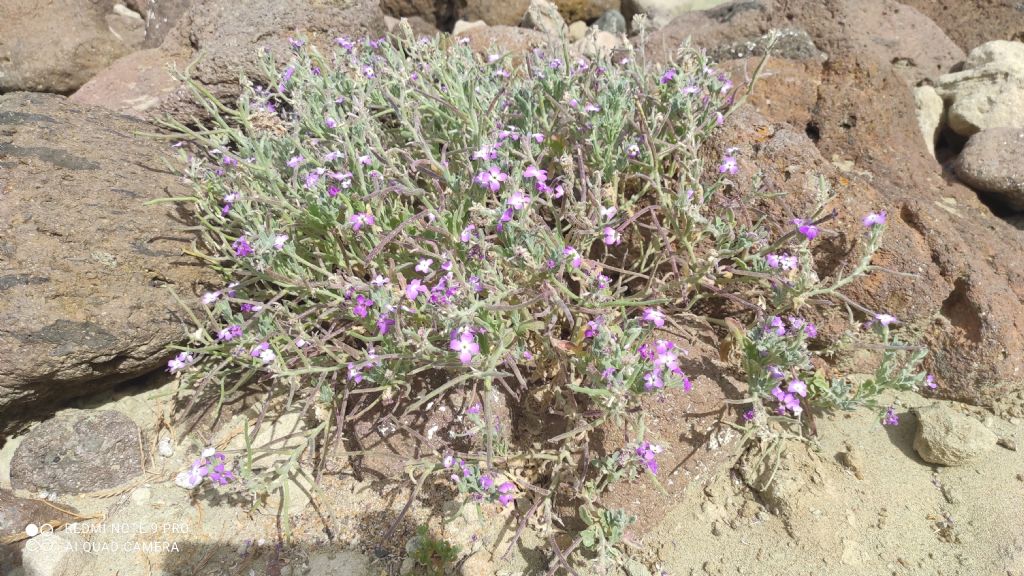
137 84
85 264
971 23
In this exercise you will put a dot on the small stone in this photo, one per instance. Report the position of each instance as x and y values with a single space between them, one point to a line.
991 163
1008 443
543 16
612 21
577 30
853 460
78 452
464 26
164 447
948 438
931 114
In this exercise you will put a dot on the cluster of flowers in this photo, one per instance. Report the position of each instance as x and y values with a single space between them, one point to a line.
469 479
210 464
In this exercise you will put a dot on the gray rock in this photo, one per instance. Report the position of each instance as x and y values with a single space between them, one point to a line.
57 49
791 44
543 16
78 452
991 162
660 12
161 16
84 263
612 21
15 516
949 438
989 91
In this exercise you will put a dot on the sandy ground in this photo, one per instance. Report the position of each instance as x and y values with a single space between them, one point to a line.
859 502
856 501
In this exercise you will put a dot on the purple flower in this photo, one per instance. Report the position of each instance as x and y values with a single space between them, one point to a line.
781 261
518 200
633 150
797 386
647 453
285 77
467 233
486 482
886 319
775 373
807 228
593 327
355 372
776 325
474 409
180 362
929 381
360 219
414 288
654 316
571 252
366 159
384 324
653 380
874 219
536 173
590 108
211 297
668 76
242 247
464 342
263 352
507 493
295 161
611 236
491 178
330 122
362 306
279 241
749 415
787 401
423 267
891 419
609 212
229 333
313 178
728 165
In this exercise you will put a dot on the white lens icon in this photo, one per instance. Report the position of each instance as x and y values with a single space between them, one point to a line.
32 530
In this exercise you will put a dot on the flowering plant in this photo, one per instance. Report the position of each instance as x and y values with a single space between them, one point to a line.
402 220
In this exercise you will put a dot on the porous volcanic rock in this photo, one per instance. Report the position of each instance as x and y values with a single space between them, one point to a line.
84 262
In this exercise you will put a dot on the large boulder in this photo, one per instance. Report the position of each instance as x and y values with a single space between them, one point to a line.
989 91
991 162
85 264
971 23
57 45
225 39
661 12
510 12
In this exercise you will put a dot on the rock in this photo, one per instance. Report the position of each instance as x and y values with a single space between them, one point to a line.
503 13
136 85
949 438
543 16
437 13
18 518
989 91
973 26
504 39
660 12
931 114
586 10
78 452
161 16
462 26
85 265
791 44
893 35
598 43
57 49
991 163
57 553
227 38
577 30
612 21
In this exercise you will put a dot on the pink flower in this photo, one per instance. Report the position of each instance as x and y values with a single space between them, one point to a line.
647 453
611 236
464 342
930 382
467 233
518 200
728 165
668 76
534 172
362 306
874 219
654 316
279 241
571 252
414 288
609 212
886 319
491 178
507 493
180 362
486 152
423 267
807 228
797 386
360 219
